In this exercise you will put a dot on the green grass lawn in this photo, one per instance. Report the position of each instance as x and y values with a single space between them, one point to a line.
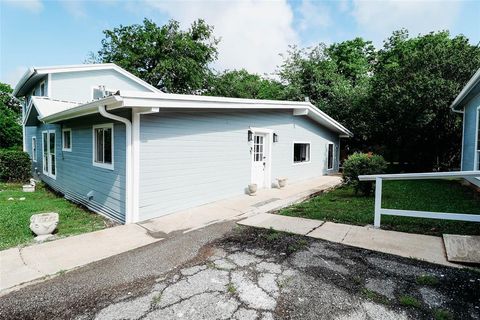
342 205
15 214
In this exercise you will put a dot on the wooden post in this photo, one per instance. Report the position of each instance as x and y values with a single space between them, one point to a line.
378 201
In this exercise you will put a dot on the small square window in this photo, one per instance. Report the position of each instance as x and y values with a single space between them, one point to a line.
67 140
301 152
103 146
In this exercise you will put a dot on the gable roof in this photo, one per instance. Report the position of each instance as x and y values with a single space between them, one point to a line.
473 83
134 99
34 74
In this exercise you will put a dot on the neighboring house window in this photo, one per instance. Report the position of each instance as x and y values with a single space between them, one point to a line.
103 146
48 153
42 89
301 152
67 140
34 149
330 156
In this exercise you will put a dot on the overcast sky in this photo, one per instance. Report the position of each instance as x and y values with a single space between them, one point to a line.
253 33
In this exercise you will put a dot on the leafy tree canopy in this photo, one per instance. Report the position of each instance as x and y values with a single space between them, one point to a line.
241 84
10 118
415 80
165 56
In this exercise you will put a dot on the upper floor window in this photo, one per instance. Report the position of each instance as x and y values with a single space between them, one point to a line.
301 152
42 89
103 146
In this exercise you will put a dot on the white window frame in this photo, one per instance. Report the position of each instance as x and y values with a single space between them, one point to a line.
42 94
333 155
476 157
109 166
34 149
63 140
48 173
309 151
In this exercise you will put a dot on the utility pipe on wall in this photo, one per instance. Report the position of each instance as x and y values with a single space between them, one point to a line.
128 162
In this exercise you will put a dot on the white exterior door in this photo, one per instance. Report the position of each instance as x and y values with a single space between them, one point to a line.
259 159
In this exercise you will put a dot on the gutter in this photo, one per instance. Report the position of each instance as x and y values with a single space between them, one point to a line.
129 194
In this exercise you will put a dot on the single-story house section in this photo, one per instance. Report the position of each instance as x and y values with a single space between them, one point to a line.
468 103
110 141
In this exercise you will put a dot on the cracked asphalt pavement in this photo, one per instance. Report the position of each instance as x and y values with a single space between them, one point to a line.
227 272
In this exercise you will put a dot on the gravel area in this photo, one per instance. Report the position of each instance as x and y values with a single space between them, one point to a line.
246 273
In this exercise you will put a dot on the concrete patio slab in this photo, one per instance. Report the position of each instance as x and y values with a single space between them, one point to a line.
409 245
282 223
462 248
238 207
21 265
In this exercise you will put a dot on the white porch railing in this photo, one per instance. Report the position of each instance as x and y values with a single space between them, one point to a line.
379 211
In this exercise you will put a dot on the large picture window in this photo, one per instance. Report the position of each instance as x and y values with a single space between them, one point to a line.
330 156
301 152
103 146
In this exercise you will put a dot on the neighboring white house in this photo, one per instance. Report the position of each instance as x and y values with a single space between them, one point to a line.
468 104
112 142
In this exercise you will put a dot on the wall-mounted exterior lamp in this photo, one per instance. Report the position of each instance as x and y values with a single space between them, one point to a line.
275 137
250 135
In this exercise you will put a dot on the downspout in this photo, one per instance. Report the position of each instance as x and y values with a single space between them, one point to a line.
128 162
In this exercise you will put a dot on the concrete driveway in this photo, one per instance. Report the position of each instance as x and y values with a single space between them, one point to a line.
228 272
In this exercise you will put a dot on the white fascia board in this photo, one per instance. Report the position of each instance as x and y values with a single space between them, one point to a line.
474 80
111 102
30 72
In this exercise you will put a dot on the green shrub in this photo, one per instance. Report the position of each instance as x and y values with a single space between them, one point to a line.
14 165
359 164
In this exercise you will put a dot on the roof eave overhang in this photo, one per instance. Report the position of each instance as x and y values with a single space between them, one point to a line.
174 102
457 104
112 102
23 80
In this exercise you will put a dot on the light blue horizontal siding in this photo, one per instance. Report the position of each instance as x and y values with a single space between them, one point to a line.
469 133
77 176
192 158
470 136
78 86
